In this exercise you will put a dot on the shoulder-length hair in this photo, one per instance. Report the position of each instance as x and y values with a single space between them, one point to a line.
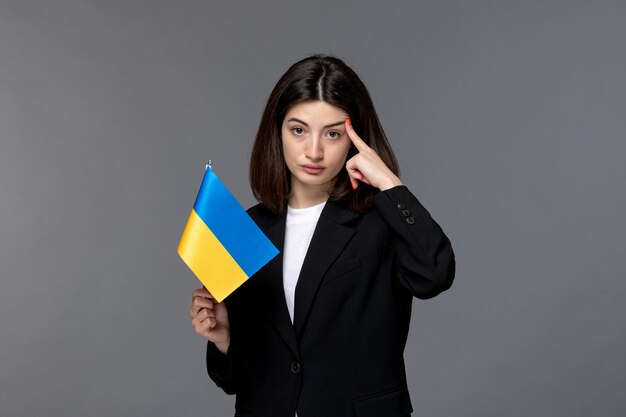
328 79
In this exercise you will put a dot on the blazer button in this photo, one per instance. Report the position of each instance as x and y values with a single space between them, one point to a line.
410 220
400 206
295 367
406 213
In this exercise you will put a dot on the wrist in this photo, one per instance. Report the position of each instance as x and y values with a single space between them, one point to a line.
390 183
223 346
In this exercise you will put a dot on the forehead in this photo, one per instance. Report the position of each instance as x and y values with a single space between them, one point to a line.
316 112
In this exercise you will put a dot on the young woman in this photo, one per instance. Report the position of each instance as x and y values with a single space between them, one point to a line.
320 331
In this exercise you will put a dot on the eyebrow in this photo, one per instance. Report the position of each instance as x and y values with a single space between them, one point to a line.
293 119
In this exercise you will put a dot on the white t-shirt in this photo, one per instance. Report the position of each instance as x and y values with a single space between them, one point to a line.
298 233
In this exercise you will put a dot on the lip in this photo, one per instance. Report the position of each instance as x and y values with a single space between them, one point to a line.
312 169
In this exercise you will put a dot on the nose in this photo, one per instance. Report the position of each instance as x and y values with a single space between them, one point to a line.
314 150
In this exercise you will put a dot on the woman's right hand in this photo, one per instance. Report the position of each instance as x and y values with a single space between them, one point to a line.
210 319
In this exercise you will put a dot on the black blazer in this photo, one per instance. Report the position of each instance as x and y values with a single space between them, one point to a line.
343 355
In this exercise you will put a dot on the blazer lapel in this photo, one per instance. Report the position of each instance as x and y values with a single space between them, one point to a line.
329 239
278 307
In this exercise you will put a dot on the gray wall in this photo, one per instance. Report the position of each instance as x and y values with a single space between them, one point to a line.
509 121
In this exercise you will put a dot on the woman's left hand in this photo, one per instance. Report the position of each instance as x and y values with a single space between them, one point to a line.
366 166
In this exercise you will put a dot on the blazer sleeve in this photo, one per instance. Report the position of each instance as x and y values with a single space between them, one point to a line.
220 367
423 253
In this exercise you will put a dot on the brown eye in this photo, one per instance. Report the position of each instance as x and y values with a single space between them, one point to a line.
334 135
297 131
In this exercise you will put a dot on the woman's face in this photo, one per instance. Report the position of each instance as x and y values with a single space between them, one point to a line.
315 145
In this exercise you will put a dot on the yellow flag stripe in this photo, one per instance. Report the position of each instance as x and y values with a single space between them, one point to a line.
208 259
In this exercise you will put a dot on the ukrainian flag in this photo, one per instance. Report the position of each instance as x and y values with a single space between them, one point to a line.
221 244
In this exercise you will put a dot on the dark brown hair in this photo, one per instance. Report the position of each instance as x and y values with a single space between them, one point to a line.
328 79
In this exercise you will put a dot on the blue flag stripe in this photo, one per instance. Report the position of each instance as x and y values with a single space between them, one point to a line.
232 226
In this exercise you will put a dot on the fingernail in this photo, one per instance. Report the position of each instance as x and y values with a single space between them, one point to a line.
354 186
348 122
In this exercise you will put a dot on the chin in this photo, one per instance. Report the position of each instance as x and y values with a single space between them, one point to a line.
315 181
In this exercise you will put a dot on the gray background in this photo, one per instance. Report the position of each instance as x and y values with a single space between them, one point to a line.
508 118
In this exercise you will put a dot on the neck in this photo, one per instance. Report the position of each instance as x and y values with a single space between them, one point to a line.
303 197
